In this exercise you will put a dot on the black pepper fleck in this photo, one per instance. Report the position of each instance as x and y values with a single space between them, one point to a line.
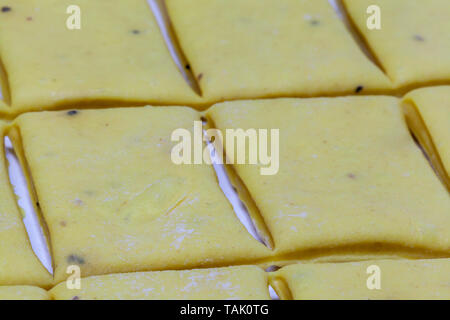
314 22
419 38
72 112
351 176
188 67
200 76
89 193
6 9
135 31
75 259
359 89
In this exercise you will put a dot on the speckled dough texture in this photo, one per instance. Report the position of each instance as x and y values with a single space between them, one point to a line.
18 263
399 279
268 48
428 113
412 45
23 293
351 185
115 202
236 283
118 56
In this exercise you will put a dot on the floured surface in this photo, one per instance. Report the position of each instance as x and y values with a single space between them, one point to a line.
407 279
236 283
351 180
118 56
413 44
265 48
114 201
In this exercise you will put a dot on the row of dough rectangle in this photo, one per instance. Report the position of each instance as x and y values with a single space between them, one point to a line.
352 185
374 280
235 49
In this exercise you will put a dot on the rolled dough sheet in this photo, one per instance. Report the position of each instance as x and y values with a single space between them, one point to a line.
23 293
242 283
117 57
399 280
428 114
115 202
265 48
351 183
412 44
18 263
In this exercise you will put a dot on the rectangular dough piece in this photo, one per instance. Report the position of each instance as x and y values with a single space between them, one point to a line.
351 185
23 293
242 283
113 199
399 280
270 48
428 113
117 57
412 44
18 263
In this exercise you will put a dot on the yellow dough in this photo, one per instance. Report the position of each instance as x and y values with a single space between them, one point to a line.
115 202
243 283
117 57
18 263
428 114
398 279
351 183
267 48
412 45
23 293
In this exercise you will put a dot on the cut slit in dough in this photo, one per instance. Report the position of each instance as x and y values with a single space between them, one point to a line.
412 44
242 283
115 202
398 279
270 48
427 111
4 88
18 263
23 293
118 57
352 184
